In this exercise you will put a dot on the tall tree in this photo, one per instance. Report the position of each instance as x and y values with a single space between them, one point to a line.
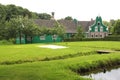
116 29
108 24
19 27
2 13
59 29
80 34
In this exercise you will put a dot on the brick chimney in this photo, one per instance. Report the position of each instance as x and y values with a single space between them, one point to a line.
91 19
52 17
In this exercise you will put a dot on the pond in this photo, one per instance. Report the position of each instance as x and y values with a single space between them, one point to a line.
113 74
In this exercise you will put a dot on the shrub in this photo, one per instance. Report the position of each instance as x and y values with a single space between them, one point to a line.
112 38
5 42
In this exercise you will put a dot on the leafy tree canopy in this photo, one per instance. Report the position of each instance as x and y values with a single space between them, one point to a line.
44 16
68 18
80 34
11 11
116 29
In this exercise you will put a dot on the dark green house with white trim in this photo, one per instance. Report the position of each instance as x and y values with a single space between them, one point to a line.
98 29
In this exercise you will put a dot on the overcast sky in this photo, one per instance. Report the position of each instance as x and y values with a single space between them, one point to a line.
79 9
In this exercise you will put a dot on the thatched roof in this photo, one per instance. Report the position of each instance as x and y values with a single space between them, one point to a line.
85 25
69 25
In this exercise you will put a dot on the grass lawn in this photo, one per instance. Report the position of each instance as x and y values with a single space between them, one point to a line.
62 62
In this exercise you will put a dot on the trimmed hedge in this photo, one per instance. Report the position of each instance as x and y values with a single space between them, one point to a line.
113 38
108 38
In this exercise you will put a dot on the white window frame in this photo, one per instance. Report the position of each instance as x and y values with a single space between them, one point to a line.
42 37
54 37
101 29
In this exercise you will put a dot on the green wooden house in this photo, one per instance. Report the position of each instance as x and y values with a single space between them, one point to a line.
69 26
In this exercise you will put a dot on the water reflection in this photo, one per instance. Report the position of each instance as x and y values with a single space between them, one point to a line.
108 75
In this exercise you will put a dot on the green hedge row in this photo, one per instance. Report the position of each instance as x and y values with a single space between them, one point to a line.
113 38
108 38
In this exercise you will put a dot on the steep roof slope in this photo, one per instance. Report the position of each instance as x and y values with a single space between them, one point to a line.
69 25
85 25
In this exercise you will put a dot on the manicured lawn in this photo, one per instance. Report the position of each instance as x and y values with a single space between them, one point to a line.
59 69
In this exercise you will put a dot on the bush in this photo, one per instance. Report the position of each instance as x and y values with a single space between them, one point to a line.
12 40
5 42
112 38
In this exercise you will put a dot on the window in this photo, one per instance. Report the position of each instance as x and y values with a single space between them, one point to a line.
92 35
42 37
22 38
101 29
28 38
96 29
96 35
54 37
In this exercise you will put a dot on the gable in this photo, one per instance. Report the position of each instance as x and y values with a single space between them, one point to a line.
98 26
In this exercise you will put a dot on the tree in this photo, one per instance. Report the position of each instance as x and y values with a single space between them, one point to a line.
79 34
19 27
12 11
2 13
34 15
15 11
44 16
108 24
59 29
11 28
29 28
112 23
116 29
3 31
68 18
